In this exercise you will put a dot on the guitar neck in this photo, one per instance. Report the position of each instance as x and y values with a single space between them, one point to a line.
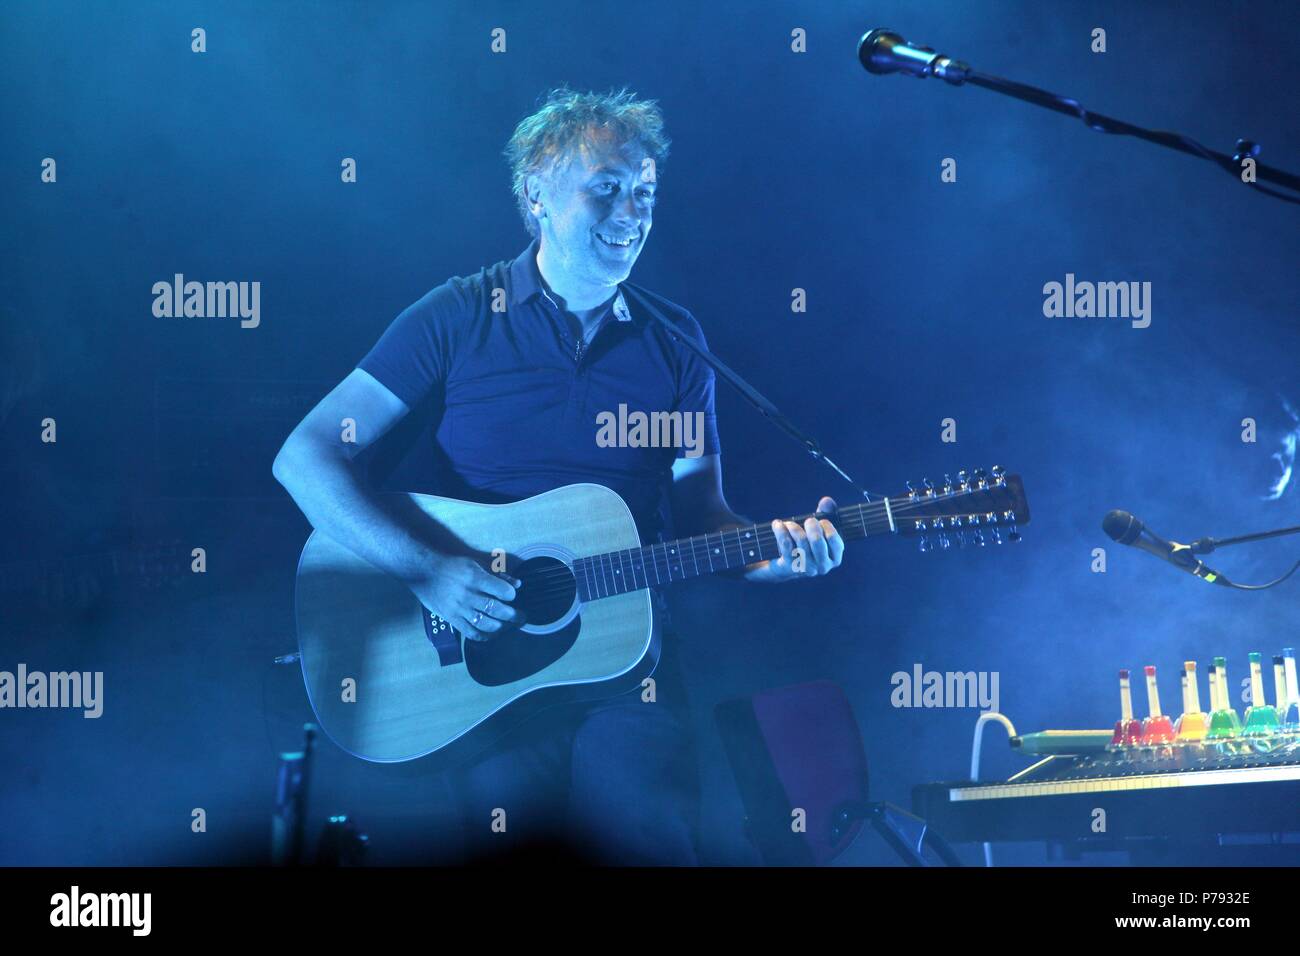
618 572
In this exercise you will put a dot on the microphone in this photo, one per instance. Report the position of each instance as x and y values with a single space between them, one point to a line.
884 51
1126 529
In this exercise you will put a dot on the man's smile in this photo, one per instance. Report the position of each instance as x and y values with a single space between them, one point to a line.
616 241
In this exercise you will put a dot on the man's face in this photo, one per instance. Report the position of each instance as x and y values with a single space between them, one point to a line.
597 210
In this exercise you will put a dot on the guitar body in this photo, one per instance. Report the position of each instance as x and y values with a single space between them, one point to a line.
390 682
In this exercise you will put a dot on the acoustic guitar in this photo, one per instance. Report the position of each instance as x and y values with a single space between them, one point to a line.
389 680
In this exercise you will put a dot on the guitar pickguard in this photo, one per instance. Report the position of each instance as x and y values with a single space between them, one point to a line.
514 655
507 657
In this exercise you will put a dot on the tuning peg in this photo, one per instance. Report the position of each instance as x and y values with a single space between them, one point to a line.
925 544
997 535
911 490
944 542
1013 535
929 488
963 480
961 539
979 538
947 484
981 478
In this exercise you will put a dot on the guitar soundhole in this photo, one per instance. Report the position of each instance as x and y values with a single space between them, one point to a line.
548 590
546 597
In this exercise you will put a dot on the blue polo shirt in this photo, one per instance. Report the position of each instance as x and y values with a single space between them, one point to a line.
518 396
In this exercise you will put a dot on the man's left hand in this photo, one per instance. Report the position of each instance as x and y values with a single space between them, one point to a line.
807 550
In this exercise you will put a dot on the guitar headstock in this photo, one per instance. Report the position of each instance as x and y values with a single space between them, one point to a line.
978 508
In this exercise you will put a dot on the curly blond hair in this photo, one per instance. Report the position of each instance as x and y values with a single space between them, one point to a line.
566 120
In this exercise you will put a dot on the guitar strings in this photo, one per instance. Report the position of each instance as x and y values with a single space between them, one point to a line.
763 534
870 517
876 522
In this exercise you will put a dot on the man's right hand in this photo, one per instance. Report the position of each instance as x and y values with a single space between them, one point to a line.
469 597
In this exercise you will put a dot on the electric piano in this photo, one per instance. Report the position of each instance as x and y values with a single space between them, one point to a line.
1203 790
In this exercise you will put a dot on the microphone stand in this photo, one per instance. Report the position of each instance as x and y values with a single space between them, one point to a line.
1105 124
921 62
750 394
1207 545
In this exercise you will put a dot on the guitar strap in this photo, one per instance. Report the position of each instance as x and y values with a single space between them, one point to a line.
752 395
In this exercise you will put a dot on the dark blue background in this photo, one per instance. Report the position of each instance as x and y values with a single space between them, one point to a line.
924 302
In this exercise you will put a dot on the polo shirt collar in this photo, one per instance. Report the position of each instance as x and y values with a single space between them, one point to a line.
525 280
526 283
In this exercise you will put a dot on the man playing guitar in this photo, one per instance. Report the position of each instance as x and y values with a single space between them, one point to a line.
521 358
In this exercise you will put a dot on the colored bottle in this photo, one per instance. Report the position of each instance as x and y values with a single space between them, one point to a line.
1291 718
1224 721
1261 716
1211 731
1157 728
1182 690
1193 723
1279 689
1128 732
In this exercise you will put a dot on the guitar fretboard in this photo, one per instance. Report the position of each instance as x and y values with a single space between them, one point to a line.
618 572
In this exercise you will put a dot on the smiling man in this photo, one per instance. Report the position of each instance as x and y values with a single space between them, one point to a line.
521 359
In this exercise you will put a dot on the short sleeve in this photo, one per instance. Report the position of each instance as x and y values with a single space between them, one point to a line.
695 392
412 357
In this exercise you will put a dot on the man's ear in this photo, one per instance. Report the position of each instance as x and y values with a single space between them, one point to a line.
533 192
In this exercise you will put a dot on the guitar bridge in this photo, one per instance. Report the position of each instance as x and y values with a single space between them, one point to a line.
444 638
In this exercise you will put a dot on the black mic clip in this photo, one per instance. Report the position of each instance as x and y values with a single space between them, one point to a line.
1184 556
